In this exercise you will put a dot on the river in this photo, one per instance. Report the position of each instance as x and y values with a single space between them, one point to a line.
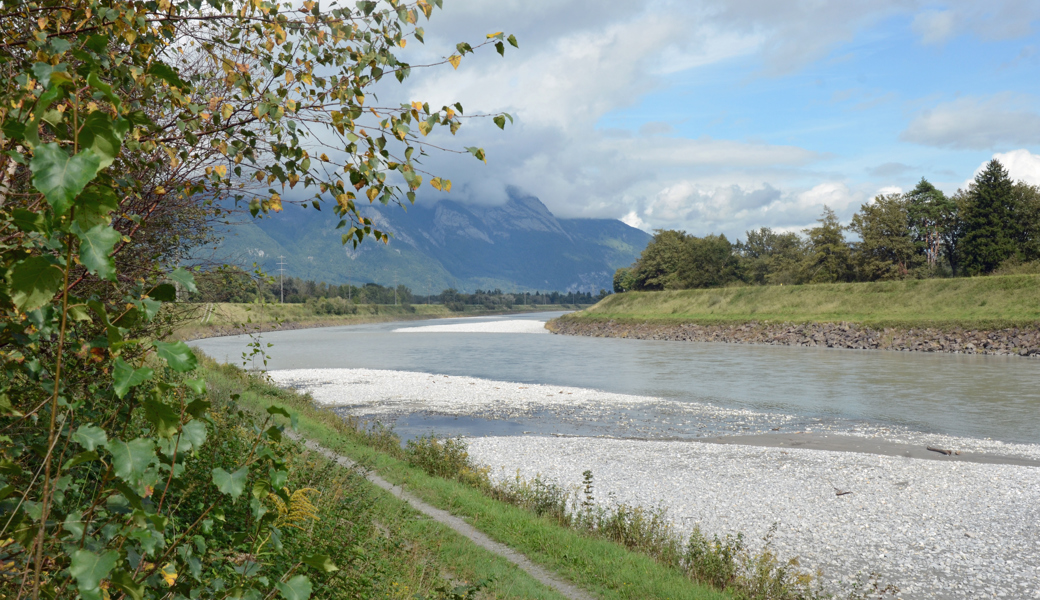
987 397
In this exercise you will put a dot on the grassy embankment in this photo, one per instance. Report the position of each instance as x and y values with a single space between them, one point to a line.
605 569
216 319
970 303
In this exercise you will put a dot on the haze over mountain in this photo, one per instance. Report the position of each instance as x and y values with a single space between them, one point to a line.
515 246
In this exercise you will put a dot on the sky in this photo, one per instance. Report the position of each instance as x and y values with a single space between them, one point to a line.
720 116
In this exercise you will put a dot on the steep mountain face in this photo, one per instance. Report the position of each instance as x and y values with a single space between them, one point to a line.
516 246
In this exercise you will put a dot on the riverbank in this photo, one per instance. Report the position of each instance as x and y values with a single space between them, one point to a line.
948 527
853 336
981 315
218 319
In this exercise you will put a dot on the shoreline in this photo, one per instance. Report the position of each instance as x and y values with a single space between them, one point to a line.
1024 342
202 332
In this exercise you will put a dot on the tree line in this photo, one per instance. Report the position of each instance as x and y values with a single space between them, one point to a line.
993 226
232 284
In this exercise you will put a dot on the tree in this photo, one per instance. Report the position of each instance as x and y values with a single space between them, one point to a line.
117 118
658 266
706 262
828 256
934 223
623 280
1027 209
989 228
769 257
886 249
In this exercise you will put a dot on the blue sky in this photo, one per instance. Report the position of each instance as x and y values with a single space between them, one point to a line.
726 115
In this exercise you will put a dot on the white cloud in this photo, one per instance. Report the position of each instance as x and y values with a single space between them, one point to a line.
633 220
977 123
935 26
1021 165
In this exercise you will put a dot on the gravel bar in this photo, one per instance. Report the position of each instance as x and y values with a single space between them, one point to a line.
936 529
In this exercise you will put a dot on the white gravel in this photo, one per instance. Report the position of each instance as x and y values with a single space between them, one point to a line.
503 326
936 529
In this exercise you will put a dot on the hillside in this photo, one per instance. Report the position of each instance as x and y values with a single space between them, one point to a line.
984 302
516 246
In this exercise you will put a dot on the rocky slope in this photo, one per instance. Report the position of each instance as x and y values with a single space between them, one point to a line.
1023 342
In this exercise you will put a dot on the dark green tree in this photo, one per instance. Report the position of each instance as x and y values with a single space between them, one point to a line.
828 257
1027 208
988 221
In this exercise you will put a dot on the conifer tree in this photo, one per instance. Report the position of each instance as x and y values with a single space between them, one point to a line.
989 230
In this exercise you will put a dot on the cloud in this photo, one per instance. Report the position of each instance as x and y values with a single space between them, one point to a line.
935 26
1022 165
977 123
891 169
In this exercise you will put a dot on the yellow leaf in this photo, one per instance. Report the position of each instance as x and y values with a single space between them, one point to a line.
220 170
372 193
169 575
455 59
343 200
417 105
424 127
293 180
324 157
226 110
276 203
403 42
448 114
496 34
436 183
446 185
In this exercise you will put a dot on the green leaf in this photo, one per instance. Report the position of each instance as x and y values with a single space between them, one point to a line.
277 410
512 40
231 483
103 136
297 588
34 281
167 74
96 246
79 459
104 88
194 434
500 121
130 459
196 385
321 562
176 354
94 205
197 407
88 569
164 292
183 277
124 377
60 177
27 220
124 582
90 436
165 420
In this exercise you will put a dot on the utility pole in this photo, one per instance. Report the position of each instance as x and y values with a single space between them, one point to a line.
281 279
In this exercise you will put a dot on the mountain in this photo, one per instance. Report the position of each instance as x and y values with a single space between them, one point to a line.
517 246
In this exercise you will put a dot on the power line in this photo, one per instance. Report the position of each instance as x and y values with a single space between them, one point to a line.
281 279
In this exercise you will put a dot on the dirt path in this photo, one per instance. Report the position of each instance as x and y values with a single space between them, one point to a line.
460 526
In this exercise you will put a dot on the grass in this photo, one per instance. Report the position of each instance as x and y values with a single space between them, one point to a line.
605 569
994 302
222 318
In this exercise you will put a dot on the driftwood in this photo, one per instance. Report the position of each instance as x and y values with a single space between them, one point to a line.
838 492
940 450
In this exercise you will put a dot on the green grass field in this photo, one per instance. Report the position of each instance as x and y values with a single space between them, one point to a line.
979 302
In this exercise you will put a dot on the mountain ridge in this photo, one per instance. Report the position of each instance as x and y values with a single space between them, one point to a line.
519 245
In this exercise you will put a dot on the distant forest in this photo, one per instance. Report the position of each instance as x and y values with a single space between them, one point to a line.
231 284
992 227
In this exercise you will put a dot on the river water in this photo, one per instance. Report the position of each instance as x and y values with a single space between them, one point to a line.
959 395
